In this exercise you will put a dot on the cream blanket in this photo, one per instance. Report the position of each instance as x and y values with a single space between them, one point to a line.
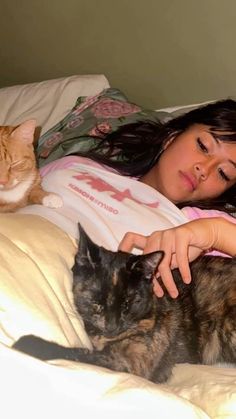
35 297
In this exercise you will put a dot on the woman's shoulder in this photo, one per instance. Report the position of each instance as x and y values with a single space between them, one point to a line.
68 162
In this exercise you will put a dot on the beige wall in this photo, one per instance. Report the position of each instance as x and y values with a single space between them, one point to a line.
159 52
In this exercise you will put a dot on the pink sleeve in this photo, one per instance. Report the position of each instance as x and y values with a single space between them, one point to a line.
193 213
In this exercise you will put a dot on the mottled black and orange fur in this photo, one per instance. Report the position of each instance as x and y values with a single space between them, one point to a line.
132 330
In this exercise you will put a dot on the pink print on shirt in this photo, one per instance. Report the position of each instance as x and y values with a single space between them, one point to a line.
102 186
96 201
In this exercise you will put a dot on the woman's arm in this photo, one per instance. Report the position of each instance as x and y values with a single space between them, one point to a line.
183 244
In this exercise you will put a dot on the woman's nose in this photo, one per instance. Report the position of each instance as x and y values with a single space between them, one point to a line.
203 169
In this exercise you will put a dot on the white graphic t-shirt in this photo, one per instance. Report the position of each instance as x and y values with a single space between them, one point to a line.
105 203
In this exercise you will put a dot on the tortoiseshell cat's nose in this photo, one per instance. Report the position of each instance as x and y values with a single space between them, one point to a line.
111 327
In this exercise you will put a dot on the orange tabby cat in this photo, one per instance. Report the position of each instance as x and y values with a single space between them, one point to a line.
20 181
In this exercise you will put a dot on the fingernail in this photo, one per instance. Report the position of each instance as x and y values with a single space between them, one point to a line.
174 294
187 280
158 293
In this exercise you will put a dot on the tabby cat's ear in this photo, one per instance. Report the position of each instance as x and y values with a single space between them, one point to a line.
25 131
147 263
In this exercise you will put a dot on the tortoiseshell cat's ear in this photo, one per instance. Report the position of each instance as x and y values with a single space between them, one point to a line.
146 264
87 248
25 131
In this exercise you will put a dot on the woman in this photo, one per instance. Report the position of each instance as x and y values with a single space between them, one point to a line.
189 161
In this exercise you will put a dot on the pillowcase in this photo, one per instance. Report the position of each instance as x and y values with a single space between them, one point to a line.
91 116
176 111
47 101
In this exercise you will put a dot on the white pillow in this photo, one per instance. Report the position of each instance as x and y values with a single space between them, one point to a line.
47 101
184 108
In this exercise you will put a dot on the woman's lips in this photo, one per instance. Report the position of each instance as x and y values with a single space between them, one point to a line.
189 180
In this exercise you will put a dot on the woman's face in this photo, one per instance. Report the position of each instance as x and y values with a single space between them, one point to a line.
195 166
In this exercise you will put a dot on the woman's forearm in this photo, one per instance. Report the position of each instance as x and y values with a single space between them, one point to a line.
224 236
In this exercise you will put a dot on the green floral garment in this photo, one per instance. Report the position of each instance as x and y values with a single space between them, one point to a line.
91 116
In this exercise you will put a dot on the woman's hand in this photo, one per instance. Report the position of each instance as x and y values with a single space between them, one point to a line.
181 245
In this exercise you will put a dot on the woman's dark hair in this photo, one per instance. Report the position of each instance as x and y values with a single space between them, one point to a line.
133 149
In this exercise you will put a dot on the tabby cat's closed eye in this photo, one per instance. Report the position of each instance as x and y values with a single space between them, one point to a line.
17 163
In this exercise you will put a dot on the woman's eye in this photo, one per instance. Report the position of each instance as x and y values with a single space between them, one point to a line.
202 146
223 175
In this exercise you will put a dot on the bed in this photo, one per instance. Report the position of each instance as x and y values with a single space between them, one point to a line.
35 286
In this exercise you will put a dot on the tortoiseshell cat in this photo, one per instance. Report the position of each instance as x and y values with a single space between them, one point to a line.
132 330
20 182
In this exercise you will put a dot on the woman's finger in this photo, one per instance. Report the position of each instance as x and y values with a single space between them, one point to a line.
184 254
158 291
131 240
152 243
164 269
182 259
168 281
176 247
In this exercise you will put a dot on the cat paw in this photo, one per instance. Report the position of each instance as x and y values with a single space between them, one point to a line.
52 200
